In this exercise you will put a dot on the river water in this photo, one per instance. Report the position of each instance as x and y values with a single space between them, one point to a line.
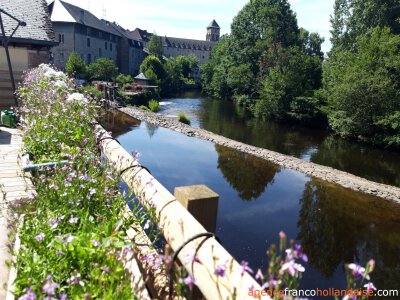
258 199
226 119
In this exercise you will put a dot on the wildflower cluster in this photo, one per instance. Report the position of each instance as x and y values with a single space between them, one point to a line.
73 237
358 279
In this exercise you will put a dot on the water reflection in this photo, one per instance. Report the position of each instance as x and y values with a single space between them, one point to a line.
118 123
334 225
247 174
338 226
232 121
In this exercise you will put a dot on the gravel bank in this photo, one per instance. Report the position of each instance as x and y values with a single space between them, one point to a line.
318 171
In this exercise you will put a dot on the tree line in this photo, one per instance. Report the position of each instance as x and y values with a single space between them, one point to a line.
278 71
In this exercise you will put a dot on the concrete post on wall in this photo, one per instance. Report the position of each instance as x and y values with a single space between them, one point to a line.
201 202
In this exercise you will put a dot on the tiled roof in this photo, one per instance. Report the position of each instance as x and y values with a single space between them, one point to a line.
167 41
125 33
38 29
141 76
213 24
64 12
187 43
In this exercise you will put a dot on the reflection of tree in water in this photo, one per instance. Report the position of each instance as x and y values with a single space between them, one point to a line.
117 122
366 161
151 129
338 226
247 174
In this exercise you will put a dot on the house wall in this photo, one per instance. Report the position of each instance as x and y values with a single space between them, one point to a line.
74 37
22 59
202 55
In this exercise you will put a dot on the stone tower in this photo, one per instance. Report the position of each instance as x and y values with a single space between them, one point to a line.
213 32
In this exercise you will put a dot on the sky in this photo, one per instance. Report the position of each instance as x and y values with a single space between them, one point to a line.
189 19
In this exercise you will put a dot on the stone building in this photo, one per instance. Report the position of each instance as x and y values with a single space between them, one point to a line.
30 45
174 47
79 30
130 51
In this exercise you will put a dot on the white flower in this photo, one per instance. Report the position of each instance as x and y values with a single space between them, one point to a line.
60 84
77 97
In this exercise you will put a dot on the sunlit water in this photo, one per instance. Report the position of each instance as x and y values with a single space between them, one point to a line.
229 120
258 199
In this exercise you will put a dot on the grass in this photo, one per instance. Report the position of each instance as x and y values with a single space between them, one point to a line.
183 118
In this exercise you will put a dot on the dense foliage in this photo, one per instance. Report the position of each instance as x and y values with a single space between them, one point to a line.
73 234
361 75
267 63
278 71
102 69
172 74
75 65
155 46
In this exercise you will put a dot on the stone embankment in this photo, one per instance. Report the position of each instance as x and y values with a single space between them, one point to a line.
318 171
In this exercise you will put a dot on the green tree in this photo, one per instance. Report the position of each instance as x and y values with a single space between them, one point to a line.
363 88
75 65
123 79
102 69
155 45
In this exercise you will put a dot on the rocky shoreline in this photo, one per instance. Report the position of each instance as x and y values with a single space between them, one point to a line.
329 174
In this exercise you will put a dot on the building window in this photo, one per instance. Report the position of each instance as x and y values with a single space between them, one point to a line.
110 47
106 45
89 58
100 52
88 42
61 38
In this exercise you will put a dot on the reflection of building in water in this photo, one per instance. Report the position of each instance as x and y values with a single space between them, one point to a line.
247 174
118 122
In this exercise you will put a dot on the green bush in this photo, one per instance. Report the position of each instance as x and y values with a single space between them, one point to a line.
144 107
183 118
123 79
93 91
154 106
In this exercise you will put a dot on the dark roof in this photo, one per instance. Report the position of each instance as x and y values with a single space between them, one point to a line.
143 35
84 17
125 33
187 43
140 35
38 29
214 24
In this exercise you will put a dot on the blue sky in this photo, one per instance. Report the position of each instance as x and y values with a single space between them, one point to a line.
189 19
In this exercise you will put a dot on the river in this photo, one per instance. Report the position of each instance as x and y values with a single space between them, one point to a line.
258 199
318 146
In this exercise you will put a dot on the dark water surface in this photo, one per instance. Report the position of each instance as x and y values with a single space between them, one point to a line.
227 119
258 199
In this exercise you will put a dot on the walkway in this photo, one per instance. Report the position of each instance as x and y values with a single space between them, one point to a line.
13 185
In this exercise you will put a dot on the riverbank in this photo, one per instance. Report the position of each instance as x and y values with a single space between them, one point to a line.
318 171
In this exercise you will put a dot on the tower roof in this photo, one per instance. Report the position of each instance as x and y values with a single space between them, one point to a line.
213 24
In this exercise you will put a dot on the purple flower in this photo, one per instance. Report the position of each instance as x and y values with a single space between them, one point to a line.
259 275
245 268
29 295
189 281
271 283
292 268
370 286
50 287
60 253
358 271
299 254
92 191
136 154
220 269
40 237
62 297
106 270
68 239
190 257
95 243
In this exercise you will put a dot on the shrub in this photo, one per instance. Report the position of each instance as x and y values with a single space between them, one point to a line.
154 106
123 79
93 91
183 118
